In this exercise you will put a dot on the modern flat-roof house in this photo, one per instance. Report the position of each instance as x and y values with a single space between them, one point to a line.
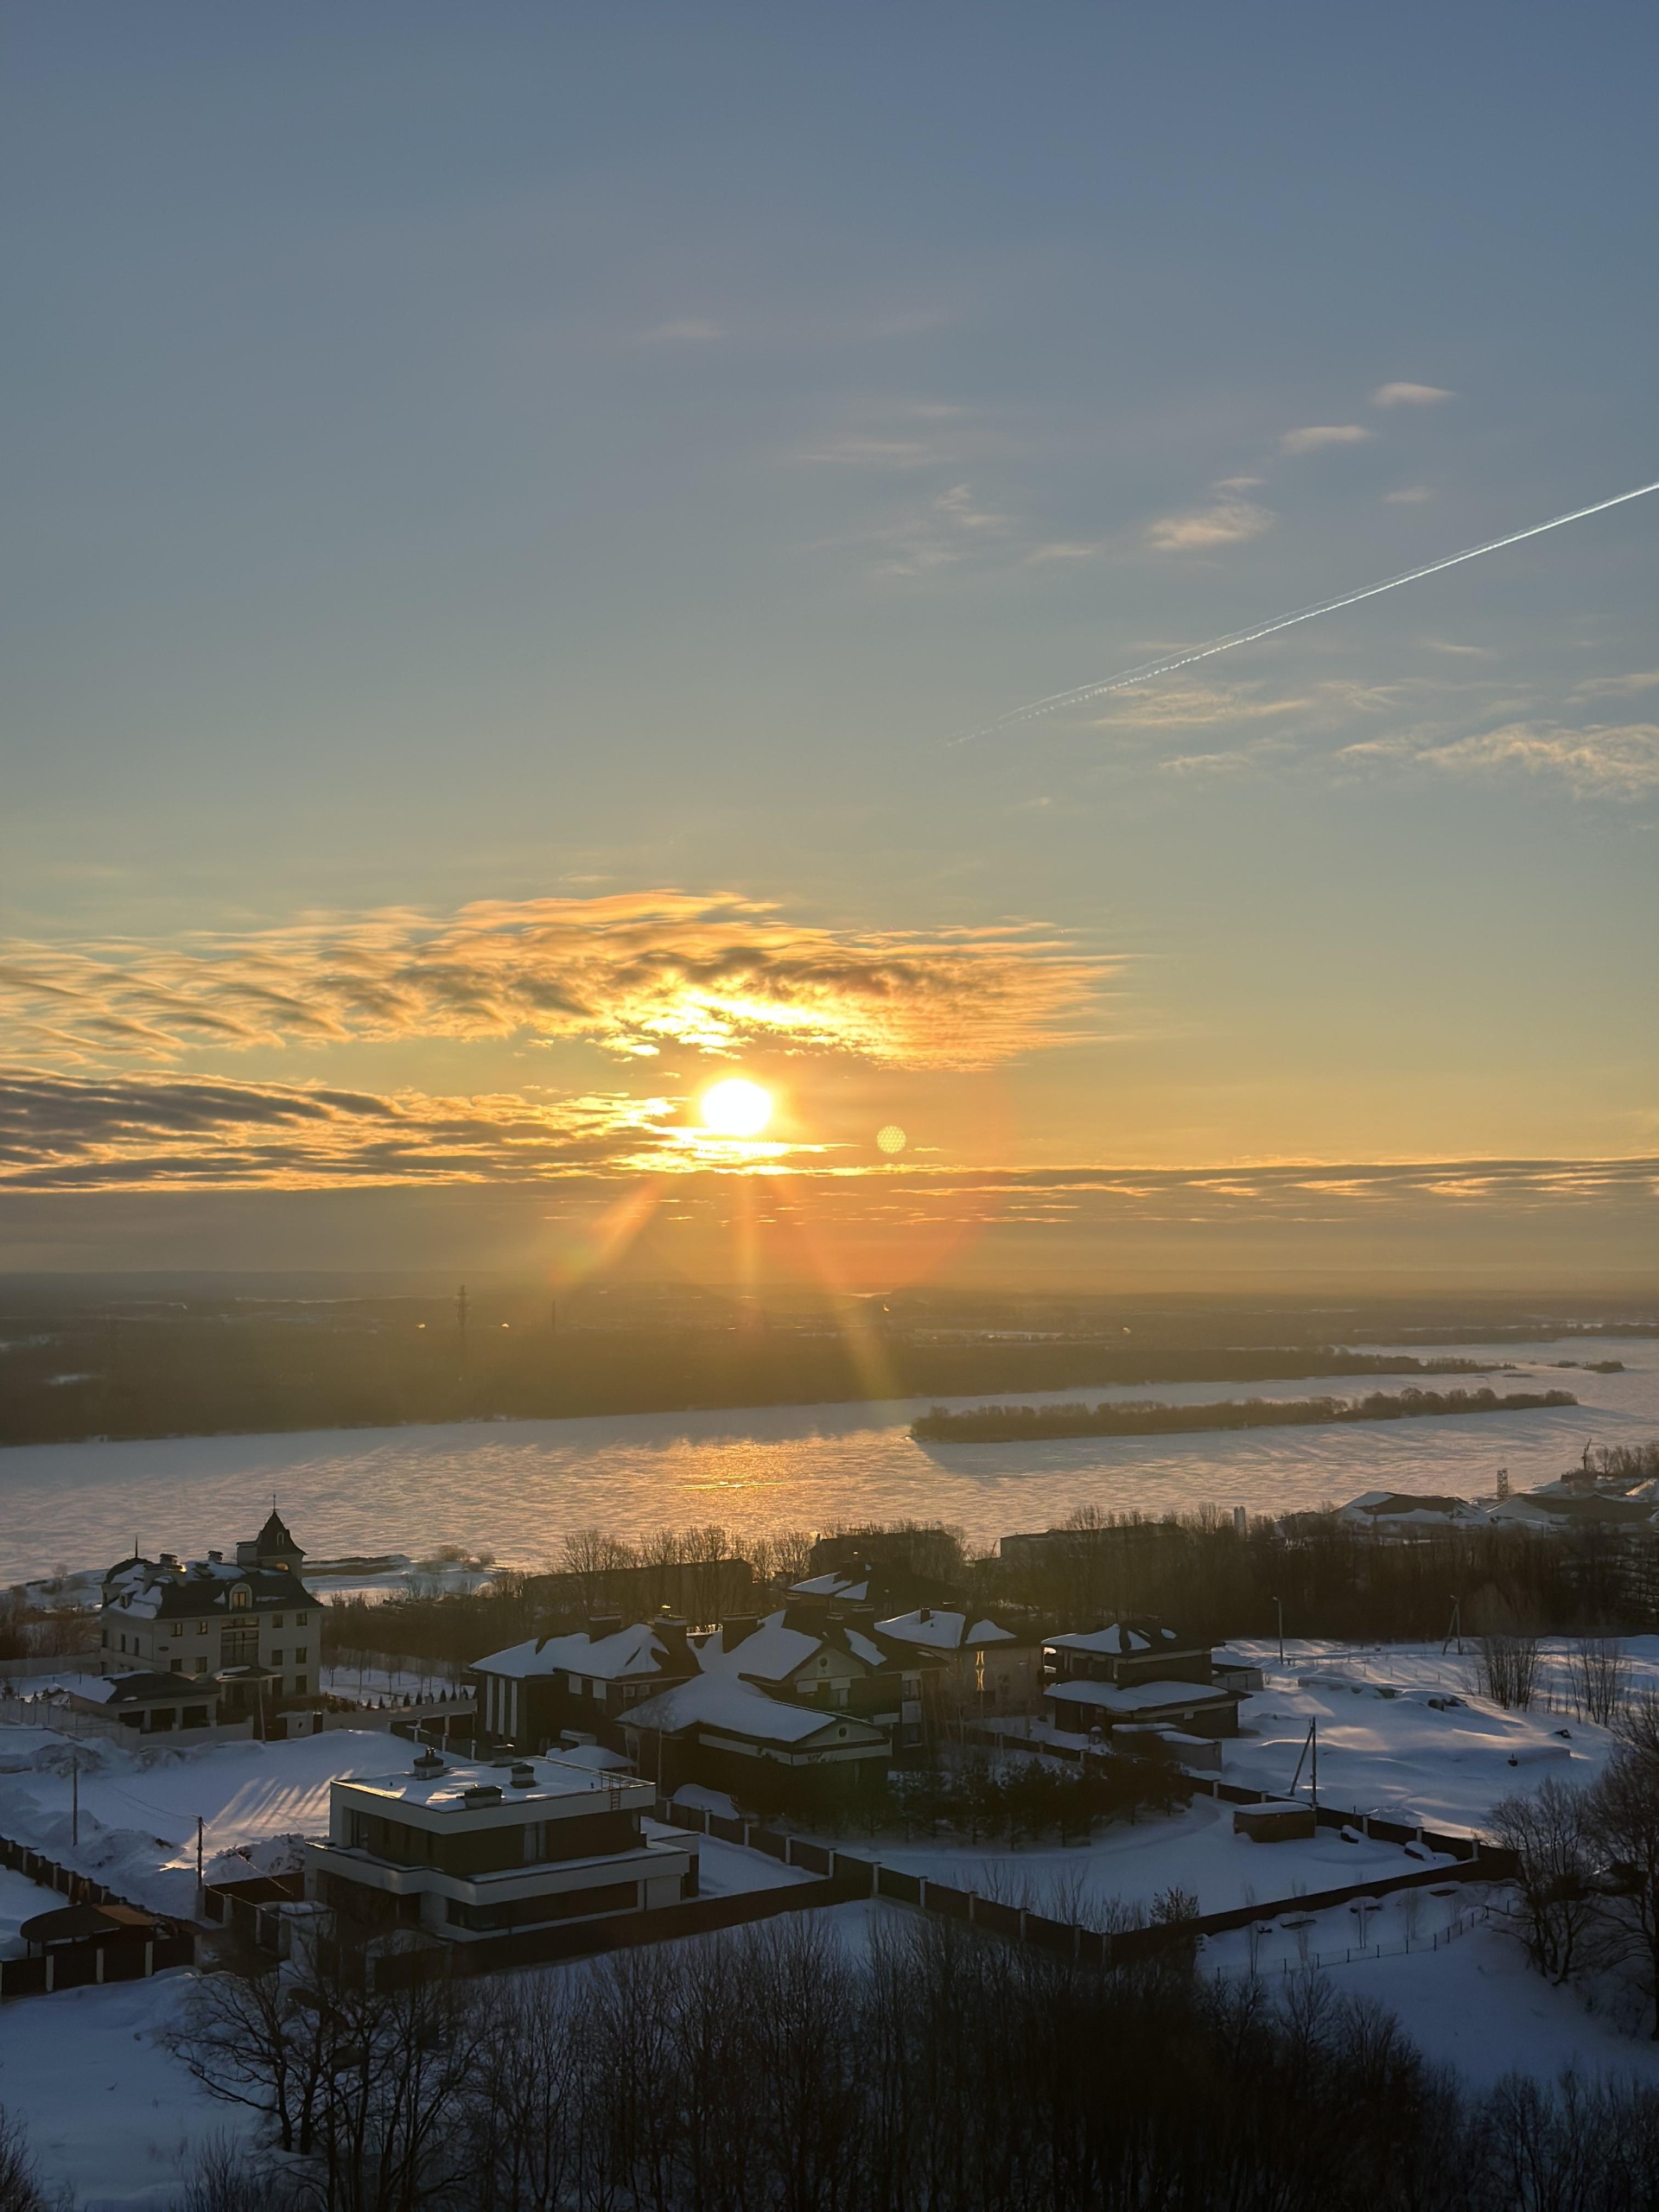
249 1630
532 1695
1135 1673
461 1851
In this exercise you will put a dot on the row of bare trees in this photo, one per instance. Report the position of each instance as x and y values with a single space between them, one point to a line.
799 2068
1587 1899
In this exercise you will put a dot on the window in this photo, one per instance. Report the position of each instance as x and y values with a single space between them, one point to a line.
299 1653
535 1843
201 1628
276 1621
199 1664
299 1685
276 1658
195 1716
239 1595
178 1666
301 1619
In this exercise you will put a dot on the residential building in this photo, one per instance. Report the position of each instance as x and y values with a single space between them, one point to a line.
248 1629
149 1703
533 1696
1135 1673
966 1666
725 1733
460 1852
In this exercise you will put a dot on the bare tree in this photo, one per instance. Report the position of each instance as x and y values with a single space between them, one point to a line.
1622 1817
1509 1670
1548 1831
20 2191
1598 1671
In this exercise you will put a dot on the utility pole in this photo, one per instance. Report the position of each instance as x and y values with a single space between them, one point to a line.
1455 1629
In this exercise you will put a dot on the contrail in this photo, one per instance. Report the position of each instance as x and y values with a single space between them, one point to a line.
1087 691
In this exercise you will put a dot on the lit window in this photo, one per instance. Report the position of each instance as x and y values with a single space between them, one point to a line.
201 1628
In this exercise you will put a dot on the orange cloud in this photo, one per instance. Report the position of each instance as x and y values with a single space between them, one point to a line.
633 973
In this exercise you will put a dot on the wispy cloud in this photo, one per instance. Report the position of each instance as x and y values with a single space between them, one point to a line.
1316 436
1617 687
1230 521
1600 761
1409 395
60 1132
633 973
1410 495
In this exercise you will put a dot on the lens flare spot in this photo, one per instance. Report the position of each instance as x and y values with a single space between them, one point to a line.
890 1139
736 1108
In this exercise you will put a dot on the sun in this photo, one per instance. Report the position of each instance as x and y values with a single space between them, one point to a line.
736 1108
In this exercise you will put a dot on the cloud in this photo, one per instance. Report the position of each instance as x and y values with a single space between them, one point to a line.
633 973
1409 395
1237 484
1620 762
859 450
1231 522
1601 760
1410 495
63 1133
1617 687
1317 435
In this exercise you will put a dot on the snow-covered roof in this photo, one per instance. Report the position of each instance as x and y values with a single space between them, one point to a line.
773 1651
853 1587
1125 1639
146 1589
932 1629
624 1654
1418 1509
446 1790
725 1701
1141 1698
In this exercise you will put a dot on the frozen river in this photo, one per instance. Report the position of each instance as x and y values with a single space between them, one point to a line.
516 1487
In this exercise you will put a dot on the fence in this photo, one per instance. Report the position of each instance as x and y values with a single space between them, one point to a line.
124 1958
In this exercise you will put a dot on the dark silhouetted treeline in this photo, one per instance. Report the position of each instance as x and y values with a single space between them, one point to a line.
1019 1424
881 2067
97 1362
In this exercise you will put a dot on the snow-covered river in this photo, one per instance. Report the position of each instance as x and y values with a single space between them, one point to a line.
516 1487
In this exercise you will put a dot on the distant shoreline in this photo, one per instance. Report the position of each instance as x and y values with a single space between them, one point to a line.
1024 1424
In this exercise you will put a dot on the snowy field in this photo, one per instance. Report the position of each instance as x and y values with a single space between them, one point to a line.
518 1487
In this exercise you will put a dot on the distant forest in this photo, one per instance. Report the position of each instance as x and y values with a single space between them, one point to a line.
1022 1424
201 1371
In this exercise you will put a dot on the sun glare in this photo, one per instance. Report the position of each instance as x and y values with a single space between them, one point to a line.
736 1108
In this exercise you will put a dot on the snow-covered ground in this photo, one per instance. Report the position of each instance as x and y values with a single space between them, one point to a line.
112 2115
1403 1755
139 1807
1194 1850
20 1900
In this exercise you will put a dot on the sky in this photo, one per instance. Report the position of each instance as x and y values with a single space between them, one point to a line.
523 525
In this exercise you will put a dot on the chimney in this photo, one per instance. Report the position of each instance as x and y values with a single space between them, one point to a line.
737 1627
600 1624
168 1558
925 1615
216 1559
670 1631
522 1775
